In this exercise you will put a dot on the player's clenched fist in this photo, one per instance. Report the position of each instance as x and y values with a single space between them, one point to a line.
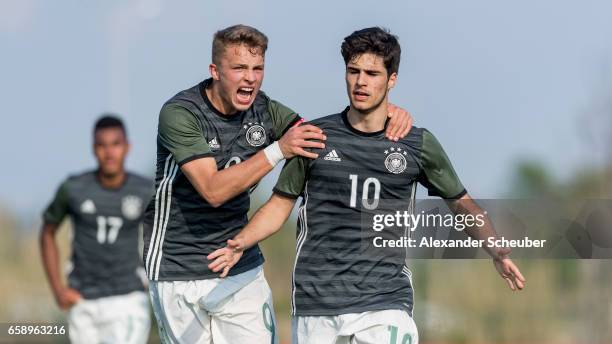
299 137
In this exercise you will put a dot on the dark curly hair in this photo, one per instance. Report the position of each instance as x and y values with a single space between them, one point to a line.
373 40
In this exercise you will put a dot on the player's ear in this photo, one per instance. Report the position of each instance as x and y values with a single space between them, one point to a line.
392 80
214 71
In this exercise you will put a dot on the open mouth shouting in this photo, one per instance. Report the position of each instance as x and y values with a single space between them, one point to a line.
245 95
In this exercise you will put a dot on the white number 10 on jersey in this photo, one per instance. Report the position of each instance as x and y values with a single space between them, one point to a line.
365 192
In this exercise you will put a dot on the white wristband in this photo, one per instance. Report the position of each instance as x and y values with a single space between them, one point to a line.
274 153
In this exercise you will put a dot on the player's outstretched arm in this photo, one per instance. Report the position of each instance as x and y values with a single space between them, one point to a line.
503 264
267 220
217 187
64 296
400 123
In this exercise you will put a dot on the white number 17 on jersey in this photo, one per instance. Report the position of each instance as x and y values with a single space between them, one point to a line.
108 228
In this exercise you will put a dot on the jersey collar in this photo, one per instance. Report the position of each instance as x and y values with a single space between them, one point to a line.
357 131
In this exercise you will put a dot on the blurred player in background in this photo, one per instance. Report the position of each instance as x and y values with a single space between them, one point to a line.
215 141
105 296
341 293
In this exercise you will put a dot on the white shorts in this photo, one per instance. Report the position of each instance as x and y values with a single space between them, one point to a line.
234 309
375 327
112 319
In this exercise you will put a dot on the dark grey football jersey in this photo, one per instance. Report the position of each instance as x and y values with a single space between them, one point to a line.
357 173
180 227
106 222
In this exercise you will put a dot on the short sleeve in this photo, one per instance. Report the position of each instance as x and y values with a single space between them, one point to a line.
292 178
181 133
438 174
283 118
59 206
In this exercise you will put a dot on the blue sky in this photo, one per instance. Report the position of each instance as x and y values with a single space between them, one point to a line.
494 81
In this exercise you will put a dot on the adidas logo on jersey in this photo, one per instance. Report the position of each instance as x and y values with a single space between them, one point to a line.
88 207
332 156
213 144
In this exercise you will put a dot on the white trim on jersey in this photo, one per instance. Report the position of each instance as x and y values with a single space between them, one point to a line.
300 242
153 259
165 225
405 270
408 273
411 208
154 234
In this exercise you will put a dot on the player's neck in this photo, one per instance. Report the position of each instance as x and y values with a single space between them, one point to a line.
114 181
371 121
214 95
